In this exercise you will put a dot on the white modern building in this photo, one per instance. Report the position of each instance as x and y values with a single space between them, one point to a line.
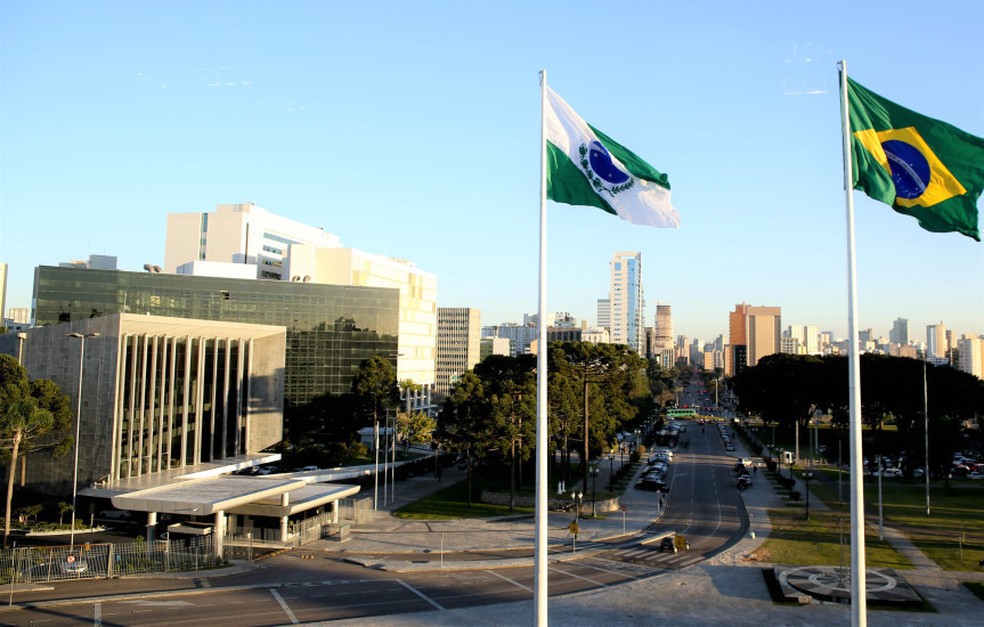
936 341
971 351
458 344
626 302
806 339
242 234
247 241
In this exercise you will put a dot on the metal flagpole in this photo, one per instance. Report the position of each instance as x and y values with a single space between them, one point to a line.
375 468
540 594
859 602
926 428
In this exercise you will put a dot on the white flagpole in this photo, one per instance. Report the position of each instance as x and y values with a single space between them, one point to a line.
540 592
859 601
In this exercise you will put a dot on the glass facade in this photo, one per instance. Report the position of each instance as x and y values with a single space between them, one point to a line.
330 328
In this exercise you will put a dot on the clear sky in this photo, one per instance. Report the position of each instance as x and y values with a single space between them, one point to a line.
411 129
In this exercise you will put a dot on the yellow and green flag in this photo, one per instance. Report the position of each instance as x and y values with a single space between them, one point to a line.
919 166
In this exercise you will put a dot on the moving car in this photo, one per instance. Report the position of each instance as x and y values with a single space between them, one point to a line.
674 543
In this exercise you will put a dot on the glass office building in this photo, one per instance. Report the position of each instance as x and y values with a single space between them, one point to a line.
330 328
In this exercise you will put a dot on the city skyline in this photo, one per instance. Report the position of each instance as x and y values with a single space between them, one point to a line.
361 128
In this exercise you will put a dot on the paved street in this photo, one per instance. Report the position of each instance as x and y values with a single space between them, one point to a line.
483 575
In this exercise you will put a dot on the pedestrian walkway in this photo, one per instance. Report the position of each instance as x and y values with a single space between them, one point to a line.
406 539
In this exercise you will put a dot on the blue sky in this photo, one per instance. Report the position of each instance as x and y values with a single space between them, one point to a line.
411 129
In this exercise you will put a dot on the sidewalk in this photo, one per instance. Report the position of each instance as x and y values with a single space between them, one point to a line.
406 540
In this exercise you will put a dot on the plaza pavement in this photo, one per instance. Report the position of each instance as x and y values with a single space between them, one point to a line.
727 589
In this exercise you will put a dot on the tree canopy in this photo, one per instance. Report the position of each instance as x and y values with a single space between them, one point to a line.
29 410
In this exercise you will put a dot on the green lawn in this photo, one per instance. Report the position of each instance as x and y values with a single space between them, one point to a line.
952 535
452 502
824 539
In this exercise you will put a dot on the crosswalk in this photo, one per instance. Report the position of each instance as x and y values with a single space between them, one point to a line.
639 553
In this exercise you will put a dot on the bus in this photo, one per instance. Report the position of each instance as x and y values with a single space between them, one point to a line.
677 412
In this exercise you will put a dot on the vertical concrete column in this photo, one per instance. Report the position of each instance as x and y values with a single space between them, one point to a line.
151 527
219 533
283 530
334 512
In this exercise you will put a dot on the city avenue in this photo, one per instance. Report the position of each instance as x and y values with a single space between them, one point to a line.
327 583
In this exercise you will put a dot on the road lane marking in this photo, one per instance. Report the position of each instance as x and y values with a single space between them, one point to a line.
420 594
512 581
588 579
283 604
97 614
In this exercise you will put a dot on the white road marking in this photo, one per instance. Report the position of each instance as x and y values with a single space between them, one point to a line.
97 614
588 579
283 604
512 581
420 594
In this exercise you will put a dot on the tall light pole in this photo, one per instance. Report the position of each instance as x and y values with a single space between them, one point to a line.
78 423
594 480
611 469
926 429
806 477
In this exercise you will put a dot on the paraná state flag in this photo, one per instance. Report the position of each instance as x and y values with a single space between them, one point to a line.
586 167
919 166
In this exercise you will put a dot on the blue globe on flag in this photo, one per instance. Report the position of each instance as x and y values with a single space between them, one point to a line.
601 164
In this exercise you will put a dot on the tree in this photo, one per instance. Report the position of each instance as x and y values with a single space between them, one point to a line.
607 374
63 508
415 427
510 395
375 383
463 423
28 411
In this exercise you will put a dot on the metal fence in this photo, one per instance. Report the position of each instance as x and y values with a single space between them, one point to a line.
97 561
356 509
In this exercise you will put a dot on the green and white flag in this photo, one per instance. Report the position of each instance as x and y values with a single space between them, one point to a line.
586 167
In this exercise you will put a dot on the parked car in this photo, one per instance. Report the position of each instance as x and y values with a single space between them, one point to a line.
73 565
652 485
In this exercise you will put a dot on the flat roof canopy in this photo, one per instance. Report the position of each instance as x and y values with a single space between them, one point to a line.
203 497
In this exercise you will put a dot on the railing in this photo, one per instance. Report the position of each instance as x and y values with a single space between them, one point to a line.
98 561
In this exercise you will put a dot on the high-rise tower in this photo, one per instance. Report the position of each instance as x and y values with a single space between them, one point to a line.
626 300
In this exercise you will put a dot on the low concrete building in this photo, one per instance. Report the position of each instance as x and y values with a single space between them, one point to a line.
169 408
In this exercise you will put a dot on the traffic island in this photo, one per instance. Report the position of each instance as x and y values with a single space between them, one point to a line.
832 584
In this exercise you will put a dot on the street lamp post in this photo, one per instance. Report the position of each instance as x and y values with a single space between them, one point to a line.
806 477
593 470
78 422
21 338
576 497
611 469
779 471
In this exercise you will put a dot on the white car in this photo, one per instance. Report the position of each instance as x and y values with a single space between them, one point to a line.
74 566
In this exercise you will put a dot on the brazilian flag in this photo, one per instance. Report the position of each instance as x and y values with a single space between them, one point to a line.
919 166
